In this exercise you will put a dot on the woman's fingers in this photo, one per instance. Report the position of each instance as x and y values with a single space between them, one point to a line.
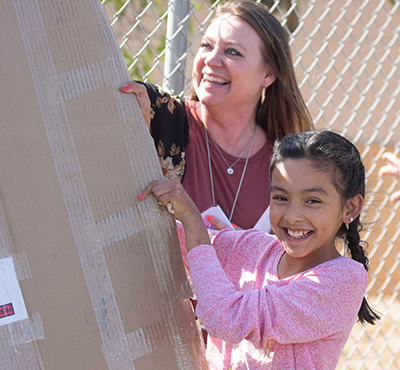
142 98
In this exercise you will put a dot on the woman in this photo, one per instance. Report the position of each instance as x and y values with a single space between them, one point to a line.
219 142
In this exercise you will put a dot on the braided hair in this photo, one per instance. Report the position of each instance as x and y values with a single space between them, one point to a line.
339 157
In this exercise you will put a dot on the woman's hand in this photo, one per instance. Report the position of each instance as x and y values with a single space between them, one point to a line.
185 210
142 99
394 170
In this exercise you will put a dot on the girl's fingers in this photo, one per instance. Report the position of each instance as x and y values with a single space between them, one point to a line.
217 223
164 190
146 192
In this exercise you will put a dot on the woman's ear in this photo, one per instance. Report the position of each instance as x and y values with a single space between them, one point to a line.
352 208
269 78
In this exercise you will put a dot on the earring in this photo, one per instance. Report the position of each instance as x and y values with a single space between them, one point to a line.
263 95
348 223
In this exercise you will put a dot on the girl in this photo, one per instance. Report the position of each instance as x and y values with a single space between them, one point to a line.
290 301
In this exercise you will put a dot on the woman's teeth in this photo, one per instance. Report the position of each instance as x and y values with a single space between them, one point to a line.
298 234
217 80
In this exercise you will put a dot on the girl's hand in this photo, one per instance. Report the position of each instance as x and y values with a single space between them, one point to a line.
142 99
185 210
394 170
219 225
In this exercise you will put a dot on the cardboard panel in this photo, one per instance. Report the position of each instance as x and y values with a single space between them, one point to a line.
100 274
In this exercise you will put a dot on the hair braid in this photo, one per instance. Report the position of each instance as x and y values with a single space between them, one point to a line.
353 243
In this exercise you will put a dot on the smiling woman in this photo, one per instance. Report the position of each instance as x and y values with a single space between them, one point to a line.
219 142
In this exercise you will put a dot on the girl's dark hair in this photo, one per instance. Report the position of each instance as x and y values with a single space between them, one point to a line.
284 111
336 155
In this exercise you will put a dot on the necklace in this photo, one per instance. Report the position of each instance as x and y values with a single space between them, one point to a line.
230 167
244 169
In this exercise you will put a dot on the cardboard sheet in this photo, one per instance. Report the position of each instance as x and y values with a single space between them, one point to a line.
100 274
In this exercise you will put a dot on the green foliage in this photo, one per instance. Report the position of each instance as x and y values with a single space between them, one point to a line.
140 65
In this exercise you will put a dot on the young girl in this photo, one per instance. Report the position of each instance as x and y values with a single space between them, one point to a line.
287 301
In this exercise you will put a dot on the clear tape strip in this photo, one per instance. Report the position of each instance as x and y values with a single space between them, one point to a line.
21 266
115 228
85 80
90 236
52 90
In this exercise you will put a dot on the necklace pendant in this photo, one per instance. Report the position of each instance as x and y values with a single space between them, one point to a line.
230 170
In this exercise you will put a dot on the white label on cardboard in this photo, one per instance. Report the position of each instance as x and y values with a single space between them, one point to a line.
12 305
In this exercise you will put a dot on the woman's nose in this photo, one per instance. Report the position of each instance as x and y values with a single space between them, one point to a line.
212 57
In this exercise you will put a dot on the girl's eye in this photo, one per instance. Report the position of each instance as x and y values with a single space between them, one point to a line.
313 201
279 198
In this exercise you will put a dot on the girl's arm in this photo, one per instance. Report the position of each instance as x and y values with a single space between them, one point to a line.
185 210
313 305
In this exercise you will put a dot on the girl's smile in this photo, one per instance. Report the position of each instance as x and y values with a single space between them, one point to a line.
306 212
298 234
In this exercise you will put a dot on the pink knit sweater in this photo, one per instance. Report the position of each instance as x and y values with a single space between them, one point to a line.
256 320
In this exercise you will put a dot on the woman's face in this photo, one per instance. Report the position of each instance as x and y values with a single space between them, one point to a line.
229 69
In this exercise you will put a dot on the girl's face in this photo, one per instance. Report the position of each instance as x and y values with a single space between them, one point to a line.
229 67
306 212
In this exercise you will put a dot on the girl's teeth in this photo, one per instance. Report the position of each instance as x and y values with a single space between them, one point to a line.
297 234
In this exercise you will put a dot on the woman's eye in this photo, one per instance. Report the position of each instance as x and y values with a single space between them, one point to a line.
205 45
233 52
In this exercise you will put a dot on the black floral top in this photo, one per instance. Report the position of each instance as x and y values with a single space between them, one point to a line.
169 129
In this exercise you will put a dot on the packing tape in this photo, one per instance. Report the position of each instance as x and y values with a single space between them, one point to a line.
59 133
25 331
115 227
21 266
139 343
51 91
84 80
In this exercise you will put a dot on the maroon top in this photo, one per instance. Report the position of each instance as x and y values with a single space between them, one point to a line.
254 194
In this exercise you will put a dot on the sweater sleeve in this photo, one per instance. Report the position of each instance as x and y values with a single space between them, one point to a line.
313 305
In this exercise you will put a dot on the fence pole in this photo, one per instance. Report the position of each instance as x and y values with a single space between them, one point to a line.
176 46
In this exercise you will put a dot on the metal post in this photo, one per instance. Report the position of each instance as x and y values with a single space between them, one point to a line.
176 46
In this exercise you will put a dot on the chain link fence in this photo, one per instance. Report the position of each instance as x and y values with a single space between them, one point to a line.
347 61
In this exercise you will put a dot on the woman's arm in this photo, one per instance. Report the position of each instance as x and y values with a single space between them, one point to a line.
142 97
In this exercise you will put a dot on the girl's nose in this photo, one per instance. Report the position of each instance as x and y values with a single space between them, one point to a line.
294 214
